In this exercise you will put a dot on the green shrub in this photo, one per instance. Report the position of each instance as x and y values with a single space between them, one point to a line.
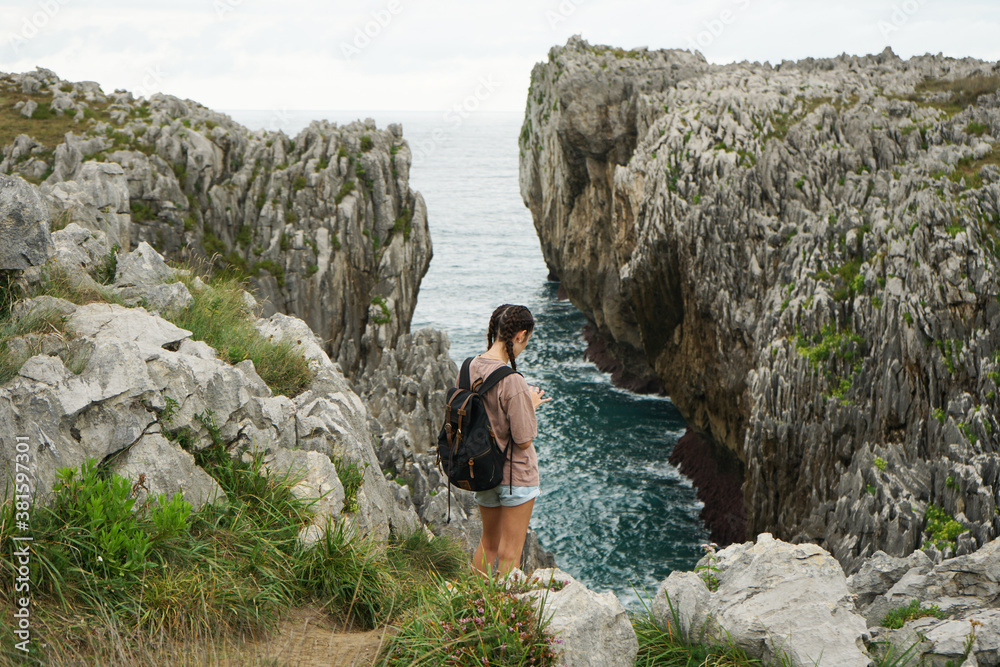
880 463
345 189
141 211
366 143
942 527
474 622
108 267
386 315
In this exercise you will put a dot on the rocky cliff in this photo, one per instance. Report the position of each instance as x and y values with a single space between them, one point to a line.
86 377
805 255
325 224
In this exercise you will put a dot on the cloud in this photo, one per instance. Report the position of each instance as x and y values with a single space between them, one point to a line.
432 54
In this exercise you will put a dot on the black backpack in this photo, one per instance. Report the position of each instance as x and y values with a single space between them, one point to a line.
467 450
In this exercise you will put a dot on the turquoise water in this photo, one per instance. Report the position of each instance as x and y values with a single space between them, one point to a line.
616 514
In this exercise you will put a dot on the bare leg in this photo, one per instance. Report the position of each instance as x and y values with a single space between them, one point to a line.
514 528
489 544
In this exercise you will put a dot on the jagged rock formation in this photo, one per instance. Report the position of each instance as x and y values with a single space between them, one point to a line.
125 387
806 256
325 224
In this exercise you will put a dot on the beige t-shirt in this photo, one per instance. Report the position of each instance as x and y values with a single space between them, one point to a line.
512 416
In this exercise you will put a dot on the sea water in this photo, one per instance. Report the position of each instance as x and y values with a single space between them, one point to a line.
616 514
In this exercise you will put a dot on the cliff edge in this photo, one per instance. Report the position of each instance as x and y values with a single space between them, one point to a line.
805 255
324 225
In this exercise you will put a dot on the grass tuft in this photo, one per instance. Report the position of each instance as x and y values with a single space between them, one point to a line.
898 617
220 317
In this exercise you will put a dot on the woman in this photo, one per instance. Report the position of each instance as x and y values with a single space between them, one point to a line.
511 404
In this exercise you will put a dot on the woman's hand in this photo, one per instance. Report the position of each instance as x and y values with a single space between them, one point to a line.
536 396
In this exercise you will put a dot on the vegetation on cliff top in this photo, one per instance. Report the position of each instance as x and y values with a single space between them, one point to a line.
118 580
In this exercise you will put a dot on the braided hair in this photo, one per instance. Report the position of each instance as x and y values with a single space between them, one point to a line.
505 323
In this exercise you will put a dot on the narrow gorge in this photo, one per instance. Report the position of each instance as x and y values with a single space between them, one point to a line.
805 256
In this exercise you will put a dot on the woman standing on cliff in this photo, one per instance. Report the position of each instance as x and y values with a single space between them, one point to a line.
511 405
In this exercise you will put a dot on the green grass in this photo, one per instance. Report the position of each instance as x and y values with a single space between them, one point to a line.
37 322
667 646
964 91
352 476
219 317
898 617
976 128
345 189
156 572
45 126
59 283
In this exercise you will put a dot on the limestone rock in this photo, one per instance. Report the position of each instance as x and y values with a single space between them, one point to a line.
97 199
139 383
773 599
158 466
152 334
798 252
315 481
325 223
24 225
594 627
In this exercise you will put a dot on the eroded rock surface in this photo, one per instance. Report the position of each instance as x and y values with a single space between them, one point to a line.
325 224
805 254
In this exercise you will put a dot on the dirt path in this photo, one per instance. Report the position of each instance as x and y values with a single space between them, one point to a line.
309 639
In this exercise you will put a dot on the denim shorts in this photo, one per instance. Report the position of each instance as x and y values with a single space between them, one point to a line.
506 496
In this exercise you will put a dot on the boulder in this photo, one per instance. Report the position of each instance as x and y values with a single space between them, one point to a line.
774 600
97 199
158 466
593 628
25 240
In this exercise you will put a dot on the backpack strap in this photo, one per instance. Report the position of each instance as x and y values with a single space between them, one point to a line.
463 376
493 378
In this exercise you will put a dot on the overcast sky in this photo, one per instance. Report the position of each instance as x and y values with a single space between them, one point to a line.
433 54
